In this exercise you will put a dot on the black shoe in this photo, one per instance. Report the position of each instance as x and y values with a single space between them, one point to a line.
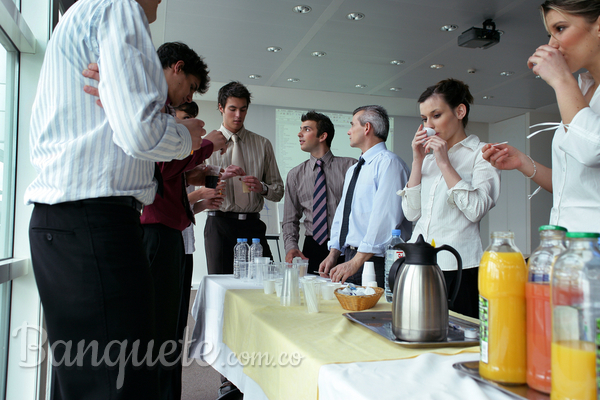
228 391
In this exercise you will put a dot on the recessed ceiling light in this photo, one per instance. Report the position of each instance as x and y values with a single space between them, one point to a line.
302 9
318 54
274 49
488 97
355 16
254 76
395 89
360 86
507 73
436 66
449 28
293 80
397 62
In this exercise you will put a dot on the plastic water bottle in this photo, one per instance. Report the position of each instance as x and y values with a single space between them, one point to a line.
392 255
256 250
240 254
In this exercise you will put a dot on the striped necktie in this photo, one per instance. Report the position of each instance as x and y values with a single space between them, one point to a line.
320 206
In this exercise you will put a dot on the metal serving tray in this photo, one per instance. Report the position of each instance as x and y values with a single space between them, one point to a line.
380 322
471 368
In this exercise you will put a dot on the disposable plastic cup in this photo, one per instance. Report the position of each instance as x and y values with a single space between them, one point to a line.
278 286
269 286
302 266
327 291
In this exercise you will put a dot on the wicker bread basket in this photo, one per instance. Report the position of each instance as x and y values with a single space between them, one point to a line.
358 303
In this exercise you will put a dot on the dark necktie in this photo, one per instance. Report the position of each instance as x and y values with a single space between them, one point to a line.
159 180
348 203
320 206
186 201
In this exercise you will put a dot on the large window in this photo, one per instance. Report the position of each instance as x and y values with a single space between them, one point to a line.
8 101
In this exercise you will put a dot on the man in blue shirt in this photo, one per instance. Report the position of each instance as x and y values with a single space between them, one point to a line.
368 210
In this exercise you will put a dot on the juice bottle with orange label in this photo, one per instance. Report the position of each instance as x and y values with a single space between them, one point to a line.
502 279
576 319
539 315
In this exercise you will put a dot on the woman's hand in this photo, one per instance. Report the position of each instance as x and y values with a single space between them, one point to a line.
417 144
503 156
550 64
440 150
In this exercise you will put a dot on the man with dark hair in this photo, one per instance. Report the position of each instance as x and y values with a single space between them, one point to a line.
368 210
179 54
238 216
313 188
170 213
95 171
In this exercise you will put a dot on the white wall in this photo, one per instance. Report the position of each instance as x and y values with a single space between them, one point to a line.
514 212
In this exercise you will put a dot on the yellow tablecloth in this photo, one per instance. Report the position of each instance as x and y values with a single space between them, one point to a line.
255 325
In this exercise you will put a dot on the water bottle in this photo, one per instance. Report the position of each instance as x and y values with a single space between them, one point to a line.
240 254
392 255
256 250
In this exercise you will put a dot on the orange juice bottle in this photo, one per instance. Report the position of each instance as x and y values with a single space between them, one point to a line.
502 279
537 293
576 318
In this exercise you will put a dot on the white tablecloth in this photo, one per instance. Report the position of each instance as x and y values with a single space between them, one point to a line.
429 376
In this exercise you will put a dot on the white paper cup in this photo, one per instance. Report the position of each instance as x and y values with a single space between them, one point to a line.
269 286
327 291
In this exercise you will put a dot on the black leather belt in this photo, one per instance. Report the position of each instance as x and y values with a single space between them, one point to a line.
234 215
128 201
353 248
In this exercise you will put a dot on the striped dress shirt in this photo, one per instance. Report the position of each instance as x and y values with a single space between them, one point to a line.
84 151
259 160
299 189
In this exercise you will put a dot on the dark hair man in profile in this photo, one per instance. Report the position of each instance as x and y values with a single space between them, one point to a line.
313 189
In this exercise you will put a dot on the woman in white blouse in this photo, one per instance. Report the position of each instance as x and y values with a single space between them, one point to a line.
574 180
451 186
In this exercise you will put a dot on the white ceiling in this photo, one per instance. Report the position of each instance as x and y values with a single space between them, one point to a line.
232 36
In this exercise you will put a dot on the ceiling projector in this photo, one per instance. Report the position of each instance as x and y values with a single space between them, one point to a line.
480 38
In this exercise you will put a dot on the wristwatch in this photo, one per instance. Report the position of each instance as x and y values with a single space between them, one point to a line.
265 188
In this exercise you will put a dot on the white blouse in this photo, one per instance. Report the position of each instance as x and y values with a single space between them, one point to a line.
576 168
451 216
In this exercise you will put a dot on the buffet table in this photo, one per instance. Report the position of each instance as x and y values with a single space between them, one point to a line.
274 352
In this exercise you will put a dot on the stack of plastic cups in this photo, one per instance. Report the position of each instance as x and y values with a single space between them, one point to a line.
368 275
311 295
290 291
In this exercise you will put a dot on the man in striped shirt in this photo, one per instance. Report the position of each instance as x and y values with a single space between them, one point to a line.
95 171
315 136
238 216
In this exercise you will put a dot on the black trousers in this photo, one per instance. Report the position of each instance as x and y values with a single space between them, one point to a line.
186 289
378 262
96 288
220 237
316 253
164 247
467 299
